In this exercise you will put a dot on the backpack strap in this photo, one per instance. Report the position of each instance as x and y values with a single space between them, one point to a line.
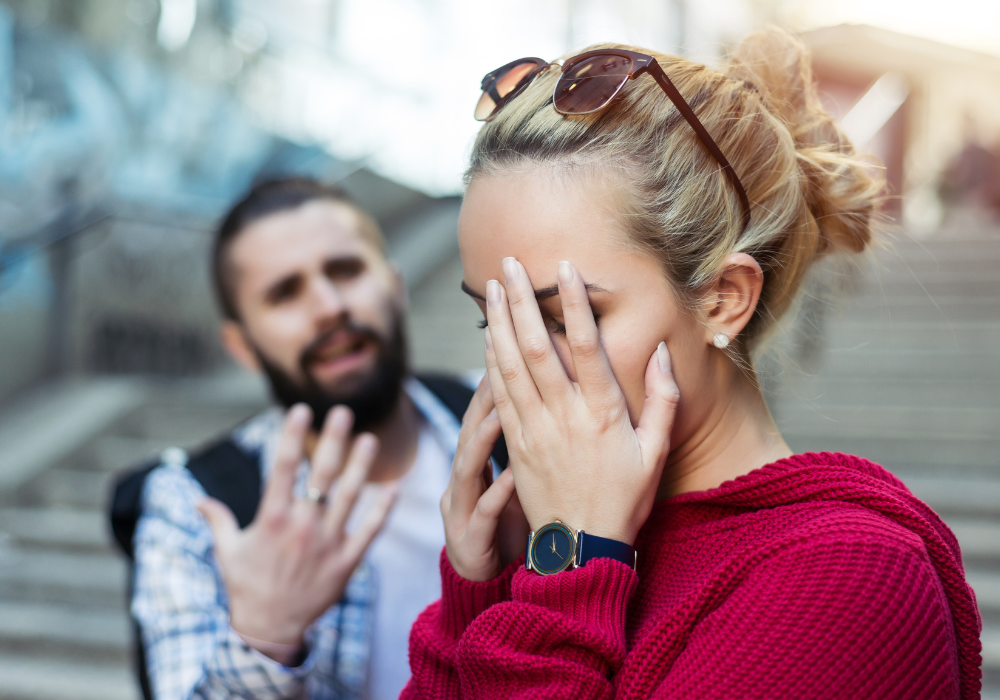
456 397
225 472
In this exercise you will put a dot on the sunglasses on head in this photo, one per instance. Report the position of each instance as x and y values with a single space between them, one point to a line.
588 83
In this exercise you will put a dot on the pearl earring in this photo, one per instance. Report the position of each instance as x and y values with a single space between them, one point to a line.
721 341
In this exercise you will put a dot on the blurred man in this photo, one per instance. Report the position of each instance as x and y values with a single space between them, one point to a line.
282 608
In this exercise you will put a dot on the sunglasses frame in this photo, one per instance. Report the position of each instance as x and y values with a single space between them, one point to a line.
640 63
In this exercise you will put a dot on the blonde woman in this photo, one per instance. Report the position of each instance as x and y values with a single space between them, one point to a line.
634 224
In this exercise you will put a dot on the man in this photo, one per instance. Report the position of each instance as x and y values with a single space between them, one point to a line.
297 603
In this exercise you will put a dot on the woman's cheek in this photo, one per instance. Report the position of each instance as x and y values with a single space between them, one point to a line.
628 358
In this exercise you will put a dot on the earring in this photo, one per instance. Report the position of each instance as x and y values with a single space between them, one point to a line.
721 341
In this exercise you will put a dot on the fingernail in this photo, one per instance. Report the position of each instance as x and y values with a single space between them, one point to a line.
565 273
342 417
492 415
663 357
300 413
510 271
489 340
493 293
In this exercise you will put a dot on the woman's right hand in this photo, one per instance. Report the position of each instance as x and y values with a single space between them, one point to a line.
473 502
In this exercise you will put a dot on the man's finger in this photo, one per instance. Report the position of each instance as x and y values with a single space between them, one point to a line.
328 458
359 540
278 492
658 410
345 494
222 522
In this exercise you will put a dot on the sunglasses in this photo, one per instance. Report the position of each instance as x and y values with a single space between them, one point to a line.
588 83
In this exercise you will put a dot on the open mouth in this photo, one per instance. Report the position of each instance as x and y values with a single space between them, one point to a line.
341 353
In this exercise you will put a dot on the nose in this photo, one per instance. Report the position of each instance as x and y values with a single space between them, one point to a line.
327 300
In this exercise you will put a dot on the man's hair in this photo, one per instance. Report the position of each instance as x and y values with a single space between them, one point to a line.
268 198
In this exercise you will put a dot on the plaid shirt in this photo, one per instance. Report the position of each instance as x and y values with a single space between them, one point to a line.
181 604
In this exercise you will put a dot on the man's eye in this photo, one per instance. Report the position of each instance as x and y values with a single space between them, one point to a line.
284 292
344 269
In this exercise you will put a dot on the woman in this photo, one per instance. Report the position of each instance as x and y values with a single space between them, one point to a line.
679 549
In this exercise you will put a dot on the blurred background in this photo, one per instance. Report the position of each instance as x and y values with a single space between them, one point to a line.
128 126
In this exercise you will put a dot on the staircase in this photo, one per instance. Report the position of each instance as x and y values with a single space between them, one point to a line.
909 376
64 630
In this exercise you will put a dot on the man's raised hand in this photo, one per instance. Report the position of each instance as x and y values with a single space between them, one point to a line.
294 560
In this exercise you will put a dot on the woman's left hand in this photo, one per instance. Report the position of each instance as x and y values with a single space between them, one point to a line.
573 451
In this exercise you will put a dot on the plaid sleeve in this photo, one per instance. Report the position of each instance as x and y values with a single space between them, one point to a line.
180 602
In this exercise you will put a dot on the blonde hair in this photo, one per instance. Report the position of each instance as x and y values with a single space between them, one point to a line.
809 192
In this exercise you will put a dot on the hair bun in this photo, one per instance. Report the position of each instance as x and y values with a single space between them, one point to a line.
841 188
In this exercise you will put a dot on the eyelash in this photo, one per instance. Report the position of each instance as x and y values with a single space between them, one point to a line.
558 328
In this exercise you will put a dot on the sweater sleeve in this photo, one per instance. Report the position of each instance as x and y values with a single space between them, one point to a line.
859 617
560 636
436 632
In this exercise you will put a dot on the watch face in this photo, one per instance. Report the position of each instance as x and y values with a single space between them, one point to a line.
552 548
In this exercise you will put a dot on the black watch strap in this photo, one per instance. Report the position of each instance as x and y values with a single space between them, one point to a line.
593 547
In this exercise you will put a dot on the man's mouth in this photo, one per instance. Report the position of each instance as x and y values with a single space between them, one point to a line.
340 353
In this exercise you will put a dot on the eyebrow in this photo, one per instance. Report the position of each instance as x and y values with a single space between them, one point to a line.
540 294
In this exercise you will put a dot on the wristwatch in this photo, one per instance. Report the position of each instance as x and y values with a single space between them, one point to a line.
554 547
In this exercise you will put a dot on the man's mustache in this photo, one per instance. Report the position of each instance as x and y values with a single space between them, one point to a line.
311 351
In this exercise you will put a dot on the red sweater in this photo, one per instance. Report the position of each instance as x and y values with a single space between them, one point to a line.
818 576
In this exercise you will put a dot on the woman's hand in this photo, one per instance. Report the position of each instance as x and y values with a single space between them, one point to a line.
473 503
573 451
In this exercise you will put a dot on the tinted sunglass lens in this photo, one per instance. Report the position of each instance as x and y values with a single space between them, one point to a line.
502 86
590 84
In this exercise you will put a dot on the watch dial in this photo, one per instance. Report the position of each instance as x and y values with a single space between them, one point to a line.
552 550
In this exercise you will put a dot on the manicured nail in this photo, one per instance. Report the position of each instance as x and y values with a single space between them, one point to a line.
510 271
663 357
341 418
565 273
300 414
489 340
493 414
493 292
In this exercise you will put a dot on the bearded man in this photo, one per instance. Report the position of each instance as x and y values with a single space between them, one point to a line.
314 596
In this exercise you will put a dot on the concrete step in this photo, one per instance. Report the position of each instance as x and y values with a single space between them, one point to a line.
26 677
959 457
925 421
63 528
184 426
902 365
954 499
114 453
880 391
914 307
61 631
69 578
845 334
72 488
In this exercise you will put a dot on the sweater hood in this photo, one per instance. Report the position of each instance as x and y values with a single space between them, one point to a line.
815 477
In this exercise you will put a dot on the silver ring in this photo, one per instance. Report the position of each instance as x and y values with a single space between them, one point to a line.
316 496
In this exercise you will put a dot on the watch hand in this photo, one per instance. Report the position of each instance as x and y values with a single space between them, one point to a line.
554 550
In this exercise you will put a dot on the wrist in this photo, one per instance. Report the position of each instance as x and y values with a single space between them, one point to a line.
282 634
556 547
285 654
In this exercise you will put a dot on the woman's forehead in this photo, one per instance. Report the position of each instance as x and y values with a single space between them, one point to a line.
540 219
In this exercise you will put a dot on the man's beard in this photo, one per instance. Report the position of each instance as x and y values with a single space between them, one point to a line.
372 396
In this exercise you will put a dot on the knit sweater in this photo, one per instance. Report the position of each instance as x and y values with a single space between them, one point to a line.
817 576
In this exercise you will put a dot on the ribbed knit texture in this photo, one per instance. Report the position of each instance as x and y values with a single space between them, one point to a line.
818 576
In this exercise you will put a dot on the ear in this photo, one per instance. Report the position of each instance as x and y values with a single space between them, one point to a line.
234 339
732 300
